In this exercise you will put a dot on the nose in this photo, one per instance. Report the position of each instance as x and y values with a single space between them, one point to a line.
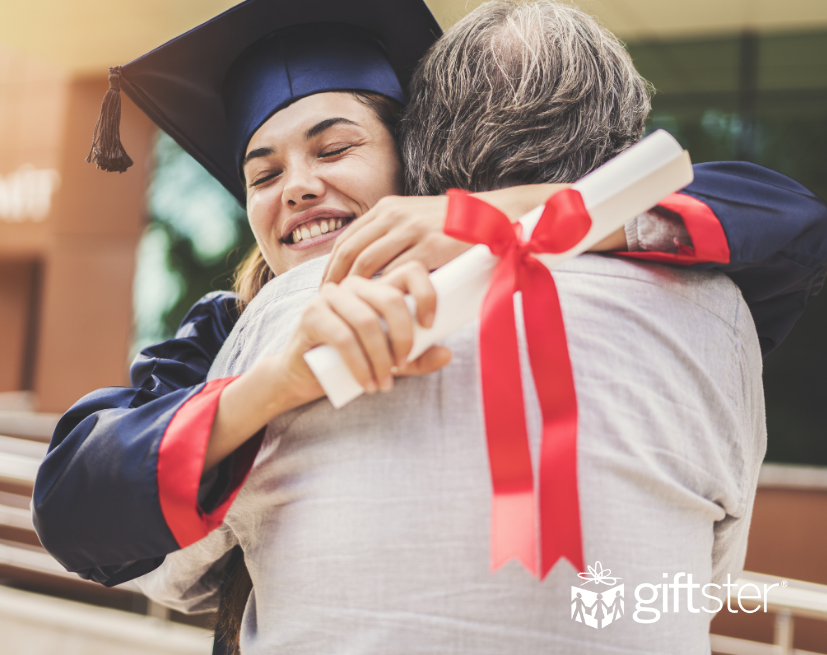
301 185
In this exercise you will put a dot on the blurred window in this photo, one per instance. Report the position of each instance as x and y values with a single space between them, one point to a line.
759 98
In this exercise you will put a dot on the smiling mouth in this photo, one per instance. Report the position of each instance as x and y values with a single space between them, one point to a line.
316 228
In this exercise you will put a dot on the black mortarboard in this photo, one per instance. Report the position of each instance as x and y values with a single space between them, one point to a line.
211 88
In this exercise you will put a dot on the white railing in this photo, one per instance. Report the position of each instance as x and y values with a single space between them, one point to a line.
19 460
32 624
29 425
793 476
788 600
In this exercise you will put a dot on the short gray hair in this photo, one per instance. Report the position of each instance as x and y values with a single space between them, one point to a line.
520 93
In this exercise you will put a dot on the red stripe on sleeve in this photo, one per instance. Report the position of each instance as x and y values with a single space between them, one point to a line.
704 227
181 463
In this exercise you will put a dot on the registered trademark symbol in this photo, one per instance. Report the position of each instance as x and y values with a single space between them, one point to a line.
784 583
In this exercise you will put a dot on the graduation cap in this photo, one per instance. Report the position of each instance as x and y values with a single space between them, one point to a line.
211 88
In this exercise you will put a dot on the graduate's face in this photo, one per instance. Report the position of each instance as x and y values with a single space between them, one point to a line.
310 170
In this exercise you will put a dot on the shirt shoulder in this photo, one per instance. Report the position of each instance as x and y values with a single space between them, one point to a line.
269 319
711 291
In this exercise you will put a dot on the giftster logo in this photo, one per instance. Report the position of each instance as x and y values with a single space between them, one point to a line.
599 607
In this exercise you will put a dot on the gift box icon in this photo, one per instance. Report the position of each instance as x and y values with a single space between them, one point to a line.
594 605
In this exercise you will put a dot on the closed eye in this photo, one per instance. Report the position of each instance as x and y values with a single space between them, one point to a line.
266 178
333 153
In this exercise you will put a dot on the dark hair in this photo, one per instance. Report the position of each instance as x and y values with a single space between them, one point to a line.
253 272
235 590
519 93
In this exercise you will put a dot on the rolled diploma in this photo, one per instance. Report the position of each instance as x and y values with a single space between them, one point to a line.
628 185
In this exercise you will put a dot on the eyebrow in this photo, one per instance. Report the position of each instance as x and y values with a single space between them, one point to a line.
316 130
258 152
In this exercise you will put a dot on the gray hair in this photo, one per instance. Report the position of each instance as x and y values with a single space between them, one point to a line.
517 94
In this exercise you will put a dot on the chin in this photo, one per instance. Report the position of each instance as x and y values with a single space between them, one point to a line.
296 257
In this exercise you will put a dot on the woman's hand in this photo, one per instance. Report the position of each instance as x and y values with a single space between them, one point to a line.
370 326
395 231
366 321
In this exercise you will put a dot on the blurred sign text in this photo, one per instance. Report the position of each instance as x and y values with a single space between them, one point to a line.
26 194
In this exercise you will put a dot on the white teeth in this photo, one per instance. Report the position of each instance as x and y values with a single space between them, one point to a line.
314 229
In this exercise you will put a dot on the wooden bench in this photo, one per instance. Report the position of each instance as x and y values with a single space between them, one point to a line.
24 563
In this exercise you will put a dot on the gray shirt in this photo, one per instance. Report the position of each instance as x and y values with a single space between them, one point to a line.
366 529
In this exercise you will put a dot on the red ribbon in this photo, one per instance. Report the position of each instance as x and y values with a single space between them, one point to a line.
563 225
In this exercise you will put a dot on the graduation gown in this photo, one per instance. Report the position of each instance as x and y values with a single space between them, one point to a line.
121 485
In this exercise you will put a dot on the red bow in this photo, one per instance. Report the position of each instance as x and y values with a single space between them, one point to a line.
563 224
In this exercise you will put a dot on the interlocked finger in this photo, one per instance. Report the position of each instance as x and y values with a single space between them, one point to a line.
388 301
413 278
361 233
325 326
386 248
368 327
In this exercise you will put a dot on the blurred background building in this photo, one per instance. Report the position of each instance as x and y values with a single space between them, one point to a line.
94 266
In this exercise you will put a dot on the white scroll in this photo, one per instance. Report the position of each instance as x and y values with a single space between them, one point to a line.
628 185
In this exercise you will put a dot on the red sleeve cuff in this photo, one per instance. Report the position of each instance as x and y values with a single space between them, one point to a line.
708 238
181 463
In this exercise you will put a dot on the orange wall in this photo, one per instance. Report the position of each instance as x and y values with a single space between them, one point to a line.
85 242
86 322
788 538
16 278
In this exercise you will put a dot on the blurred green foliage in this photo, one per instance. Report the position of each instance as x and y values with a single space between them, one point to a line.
196 237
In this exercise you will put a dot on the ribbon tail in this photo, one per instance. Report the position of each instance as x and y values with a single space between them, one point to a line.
513 523
513 535
560 529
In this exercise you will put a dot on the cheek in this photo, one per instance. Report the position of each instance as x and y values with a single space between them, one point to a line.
260 214
394 180
262 223
371 179
254 219
395 177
